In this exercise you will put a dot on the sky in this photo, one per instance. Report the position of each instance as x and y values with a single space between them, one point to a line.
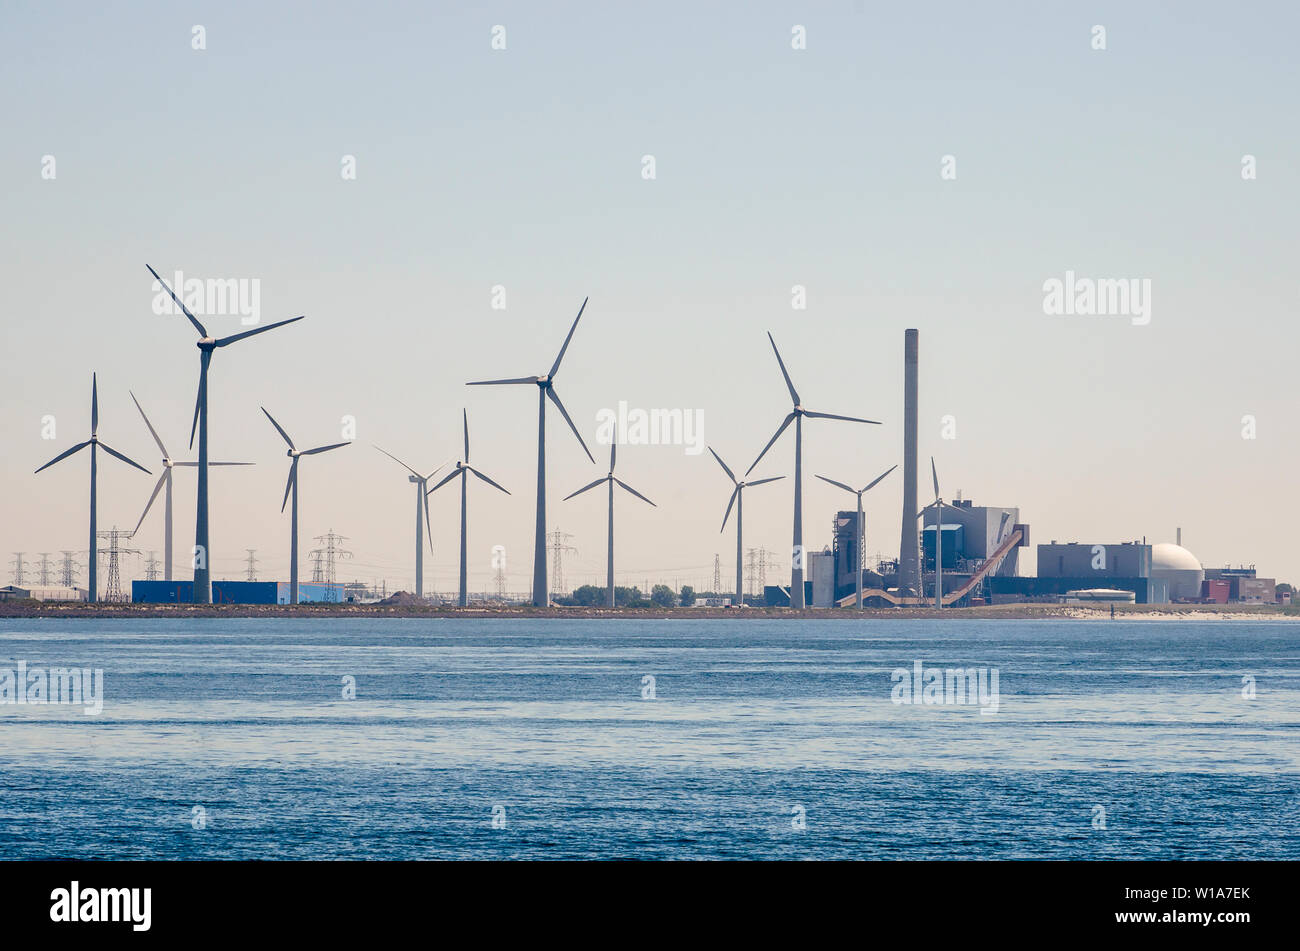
481 171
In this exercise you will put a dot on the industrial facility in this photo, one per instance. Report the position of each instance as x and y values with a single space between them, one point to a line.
241 592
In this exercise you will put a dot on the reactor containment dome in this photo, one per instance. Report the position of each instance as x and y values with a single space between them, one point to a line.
1179 569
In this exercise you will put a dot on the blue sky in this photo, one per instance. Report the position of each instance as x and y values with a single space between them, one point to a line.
522 167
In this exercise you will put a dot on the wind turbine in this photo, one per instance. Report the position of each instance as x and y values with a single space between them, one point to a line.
95 444
738 498
166 479
609 565
206 344
421 516
862 529
292 487
545 390
796 416
463 469
939 505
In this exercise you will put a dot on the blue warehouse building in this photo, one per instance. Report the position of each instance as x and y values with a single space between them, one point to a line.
236 592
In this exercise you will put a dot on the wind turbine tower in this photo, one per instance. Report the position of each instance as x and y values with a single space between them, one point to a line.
462 471
95 445
545 390
610 479
206 344
291 488
796 416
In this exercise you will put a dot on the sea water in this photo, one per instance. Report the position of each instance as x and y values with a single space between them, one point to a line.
654 739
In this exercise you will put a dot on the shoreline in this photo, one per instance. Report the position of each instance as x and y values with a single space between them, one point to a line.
1145 612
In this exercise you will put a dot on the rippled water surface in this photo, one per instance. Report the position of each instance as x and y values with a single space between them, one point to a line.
763 739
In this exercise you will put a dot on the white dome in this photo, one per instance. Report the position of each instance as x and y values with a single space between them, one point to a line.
1170 557
1179 569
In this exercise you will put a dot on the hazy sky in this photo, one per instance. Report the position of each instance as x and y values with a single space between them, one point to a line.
774 167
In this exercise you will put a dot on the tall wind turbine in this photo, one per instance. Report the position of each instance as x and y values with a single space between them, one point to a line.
861 540
206 344
166 480
421 516
292 487
796 416
938 505
545 390
95 444
738 499
609 575
463 469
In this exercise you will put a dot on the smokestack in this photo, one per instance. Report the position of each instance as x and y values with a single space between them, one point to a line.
909 560
1180 538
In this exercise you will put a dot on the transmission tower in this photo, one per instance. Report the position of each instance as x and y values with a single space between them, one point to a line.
717 574
69 570
559 546
317 565
252 563
333 551
113 555
500 579
18 568
45 569
151 567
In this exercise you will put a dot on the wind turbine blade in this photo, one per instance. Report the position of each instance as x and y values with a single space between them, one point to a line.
94 403
204 360
63 455
226 341
399 462
934 472
156 489
216 463
879 477
850 419
487 480
293 474
786 422
194 320
730 502
130 462
319 449
279 429
518 379
433 473
428 521
838 485
794 394
730 475
601 481
555 367
613 449
465 417
447 478
634 491
550 392
769 479
152 431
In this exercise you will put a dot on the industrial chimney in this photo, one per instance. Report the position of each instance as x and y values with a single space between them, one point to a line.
909 560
